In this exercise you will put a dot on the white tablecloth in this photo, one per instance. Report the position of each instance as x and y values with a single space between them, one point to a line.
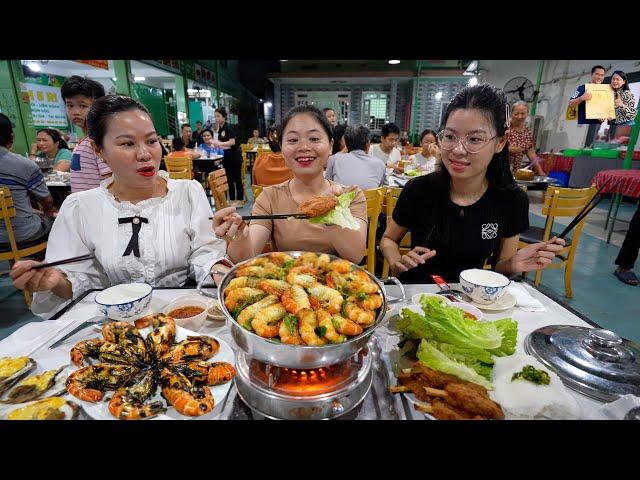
25 340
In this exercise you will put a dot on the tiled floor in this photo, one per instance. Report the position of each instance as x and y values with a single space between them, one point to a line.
598 295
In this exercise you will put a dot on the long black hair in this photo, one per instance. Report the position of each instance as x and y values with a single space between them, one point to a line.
338 134
492 102
623 76
55 136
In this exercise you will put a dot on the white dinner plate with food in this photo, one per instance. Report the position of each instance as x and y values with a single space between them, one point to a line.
100 410
505 302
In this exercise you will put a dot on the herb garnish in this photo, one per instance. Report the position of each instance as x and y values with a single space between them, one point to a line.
291 322
529 372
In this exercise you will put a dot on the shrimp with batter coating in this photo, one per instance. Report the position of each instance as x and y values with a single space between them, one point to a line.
316 206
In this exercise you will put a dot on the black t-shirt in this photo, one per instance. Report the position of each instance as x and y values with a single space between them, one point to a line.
197 137
226 133
464 237
190 144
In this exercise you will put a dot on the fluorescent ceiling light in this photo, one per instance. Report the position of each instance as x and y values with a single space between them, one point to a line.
284 60
114 79
34 67
139 79
439 96
394 62
473 81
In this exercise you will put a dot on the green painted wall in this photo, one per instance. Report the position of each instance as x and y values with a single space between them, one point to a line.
153 99
15 106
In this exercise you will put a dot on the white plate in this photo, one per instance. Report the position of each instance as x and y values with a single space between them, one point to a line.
415 299
505 302
100 411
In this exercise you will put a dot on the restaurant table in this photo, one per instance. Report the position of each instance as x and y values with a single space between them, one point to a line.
585 167
620 182
556 162
377 404
59 189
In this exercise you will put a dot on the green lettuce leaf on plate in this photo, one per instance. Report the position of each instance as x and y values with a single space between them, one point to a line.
509 330
435 359
449 325
340 214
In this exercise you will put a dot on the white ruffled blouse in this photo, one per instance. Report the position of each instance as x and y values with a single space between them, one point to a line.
177 242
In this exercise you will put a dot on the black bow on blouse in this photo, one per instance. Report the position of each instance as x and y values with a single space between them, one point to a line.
133 243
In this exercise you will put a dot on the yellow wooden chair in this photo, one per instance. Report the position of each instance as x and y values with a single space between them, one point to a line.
180 175
14 251
219 188
391 198
244 149
178 164
257 190
560 202
374 197
243 173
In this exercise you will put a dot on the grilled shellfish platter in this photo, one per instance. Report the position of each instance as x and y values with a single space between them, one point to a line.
150 369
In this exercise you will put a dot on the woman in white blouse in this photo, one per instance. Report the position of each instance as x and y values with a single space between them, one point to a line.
140 225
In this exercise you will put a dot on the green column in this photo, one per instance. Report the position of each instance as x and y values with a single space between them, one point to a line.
123 77
537 89
217 84
416 87
633 138
15 106
182 97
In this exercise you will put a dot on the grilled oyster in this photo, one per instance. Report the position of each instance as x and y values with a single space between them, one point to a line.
13 369
51 382
54 408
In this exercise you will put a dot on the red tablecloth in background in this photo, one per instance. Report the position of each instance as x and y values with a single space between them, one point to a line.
556 163
626 182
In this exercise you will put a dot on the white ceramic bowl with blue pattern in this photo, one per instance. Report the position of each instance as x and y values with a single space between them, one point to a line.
126 301
483 286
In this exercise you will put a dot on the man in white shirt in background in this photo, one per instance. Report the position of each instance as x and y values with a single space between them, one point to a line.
386 150
356 167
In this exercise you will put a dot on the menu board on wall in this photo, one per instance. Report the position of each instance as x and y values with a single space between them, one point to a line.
174 66
204 75
96 63
47 106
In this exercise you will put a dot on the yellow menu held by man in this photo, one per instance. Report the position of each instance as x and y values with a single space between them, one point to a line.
601 105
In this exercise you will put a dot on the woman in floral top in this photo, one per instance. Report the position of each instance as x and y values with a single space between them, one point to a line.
521 140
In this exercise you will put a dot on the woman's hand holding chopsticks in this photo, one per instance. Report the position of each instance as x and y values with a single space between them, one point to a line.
42 279
228 224
536 256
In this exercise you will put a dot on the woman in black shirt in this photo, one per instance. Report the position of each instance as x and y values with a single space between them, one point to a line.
232 161
471 210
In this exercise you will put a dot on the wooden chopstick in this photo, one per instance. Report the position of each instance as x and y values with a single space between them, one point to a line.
280 216
587 208
66 261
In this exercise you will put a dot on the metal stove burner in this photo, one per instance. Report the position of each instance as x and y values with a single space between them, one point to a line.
291 394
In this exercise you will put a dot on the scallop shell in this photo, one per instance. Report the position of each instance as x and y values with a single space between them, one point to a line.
45 409
8 381
55 387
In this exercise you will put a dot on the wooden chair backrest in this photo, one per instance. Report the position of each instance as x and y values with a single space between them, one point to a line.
257 190
177 164
566 202
180 174
6 203
219 188
374 197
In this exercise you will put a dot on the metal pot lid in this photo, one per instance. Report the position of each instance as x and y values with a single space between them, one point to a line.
595 362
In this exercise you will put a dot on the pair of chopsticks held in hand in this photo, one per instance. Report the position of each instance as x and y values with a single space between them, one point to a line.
65 261
286 216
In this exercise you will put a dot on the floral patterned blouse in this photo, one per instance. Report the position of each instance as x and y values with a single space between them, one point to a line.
523 139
